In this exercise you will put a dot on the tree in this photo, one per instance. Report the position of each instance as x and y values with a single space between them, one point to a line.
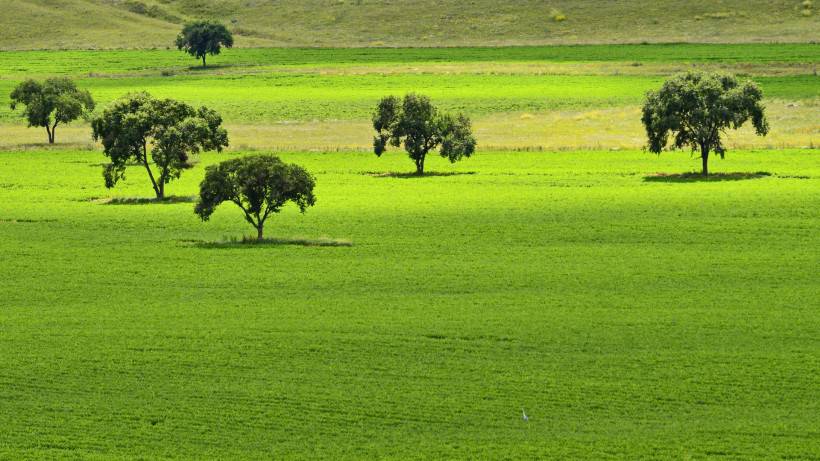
173 130
204 37
416 123
696 108
54 101
260 185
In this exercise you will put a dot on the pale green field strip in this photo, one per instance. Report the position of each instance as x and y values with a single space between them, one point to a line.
793 124
76 63
277 97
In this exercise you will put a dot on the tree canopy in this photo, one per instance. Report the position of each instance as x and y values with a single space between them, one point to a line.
49 103
417 124
696 108
173 130
204 37
260 185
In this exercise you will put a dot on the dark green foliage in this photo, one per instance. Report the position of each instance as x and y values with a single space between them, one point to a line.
204 37
416 123
54 101
696 108
260 185
173 130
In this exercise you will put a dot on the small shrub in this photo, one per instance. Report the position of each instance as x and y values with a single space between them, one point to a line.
557 15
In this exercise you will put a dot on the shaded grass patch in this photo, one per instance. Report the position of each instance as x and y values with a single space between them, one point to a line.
250 242
409 175
26 221
698 177
146 200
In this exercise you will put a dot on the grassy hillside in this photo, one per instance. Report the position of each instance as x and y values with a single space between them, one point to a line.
632 317
95 24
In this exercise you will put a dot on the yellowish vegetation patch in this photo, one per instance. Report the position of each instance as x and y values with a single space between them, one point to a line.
793 124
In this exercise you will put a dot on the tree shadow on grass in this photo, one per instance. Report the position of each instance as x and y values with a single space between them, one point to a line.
697 177
209 67
146 200
395 174
252 242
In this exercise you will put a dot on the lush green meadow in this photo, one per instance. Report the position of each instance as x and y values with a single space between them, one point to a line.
629 316
631 313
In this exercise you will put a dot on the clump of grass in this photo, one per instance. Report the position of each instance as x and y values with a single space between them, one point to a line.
719 15
557 15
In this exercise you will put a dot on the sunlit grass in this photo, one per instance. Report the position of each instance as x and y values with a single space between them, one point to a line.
793 124
560 282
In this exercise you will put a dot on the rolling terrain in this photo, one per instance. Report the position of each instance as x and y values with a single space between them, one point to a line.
106 24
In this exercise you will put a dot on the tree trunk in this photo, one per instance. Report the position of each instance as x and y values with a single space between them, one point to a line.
420 166
159 190
50 135
704 156
259 232
203 60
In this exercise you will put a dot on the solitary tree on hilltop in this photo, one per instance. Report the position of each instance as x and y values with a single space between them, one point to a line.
173 130
204 37
260 185
416 123
54 101
696 108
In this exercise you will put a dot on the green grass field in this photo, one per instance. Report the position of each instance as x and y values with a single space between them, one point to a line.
630 317
633 311
555 97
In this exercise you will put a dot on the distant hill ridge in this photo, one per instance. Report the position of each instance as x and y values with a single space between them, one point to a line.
104 24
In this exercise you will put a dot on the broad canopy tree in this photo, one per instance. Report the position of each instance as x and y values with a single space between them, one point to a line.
696 108
204 37
51 102
260 185
416 123
144 130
